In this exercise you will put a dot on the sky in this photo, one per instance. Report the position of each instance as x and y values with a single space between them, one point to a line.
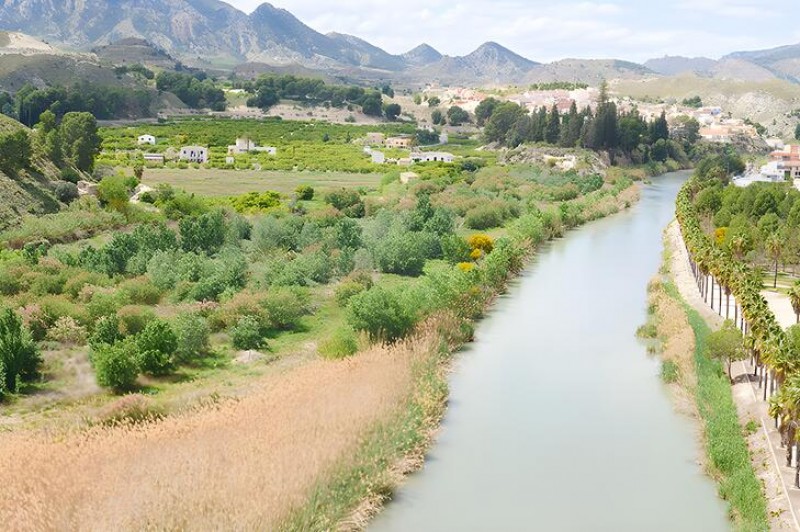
544 30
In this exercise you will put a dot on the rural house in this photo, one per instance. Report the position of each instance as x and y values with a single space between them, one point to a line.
147 139
194 154
245 145
400 141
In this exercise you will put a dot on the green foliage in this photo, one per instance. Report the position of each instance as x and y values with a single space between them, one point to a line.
157 344
695 102
348 201
392 111
457 116
193 336
304 192
193 91
670 372
383 314
114 192
116 365
401 252
80 142
66 192
255 202
455 249
134 318
204 233
19 356
15 151
342 344
248 333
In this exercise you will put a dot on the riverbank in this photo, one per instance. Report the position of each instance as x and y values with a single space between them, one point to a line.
739 456
359 487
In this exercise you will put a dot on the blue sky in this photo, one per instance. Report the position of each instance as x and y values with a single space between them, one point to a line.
546 30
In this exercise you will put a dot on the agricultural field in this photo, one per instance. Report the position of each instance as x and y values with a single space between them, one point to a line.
221 183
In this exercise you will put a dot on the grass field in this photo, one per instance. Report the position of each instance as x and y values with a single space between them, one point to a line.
217 183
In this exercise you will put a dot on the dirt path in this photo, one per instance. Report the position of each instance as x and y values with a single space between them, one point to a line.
783 500
240 465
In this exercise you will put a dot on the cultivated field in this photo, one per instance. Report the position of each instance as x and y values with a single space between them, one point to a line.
215 183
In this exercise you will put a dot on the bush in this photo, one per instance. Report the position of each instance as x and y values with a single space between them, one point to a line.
455 249
134 318
106 332
193 334
485 217
482 242
283 307
66 192
141 291
157 344
70 175
67 331
247 333
117 365
347 201
19 356
383 314
346 290
342 344
401 252
304 193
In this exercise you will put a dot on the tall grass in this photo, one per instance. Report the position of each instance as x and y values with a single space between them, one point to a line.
727 450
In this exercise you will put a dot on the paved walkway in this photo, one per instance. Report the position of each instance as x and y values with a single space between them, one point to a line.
769 458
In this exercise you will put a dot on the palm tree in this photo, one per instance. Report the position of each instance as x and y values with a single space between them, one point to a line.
794 299
774 247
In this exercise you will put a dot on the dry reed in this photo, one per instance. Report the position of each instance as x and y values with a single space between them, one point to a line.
240 465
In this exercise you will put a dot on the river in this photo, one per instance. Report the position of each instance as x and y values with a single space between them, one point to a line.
558 419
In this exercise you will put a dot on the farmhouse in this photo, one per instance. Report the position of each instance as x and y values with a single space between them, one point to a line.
400 141
194 154
146 139
374 139
432 156
153 158
245 145
784 163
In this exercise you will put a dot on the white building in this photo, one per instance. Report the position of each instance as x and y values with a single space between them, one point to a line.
245 145
153 158
194 154
378 157
147 139
432 156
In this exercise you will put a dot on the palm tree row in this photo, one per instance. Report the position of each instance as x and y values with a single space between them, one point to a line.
777 366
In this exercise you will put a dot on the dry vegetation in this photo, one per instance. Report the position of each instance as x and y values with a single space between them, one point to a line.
248 462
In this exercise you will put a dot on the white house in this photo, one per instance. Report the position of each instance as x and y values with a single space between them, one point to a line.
432 156
378 157
194 154
147 139
153 158
245 145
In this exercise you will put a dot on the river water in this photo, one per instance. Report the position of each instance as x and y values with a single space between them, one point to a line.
557 418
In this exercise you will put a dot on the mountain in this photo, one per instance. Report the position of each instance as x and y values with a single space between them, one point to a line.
422 55
359 52
133 51
783 62
591 71
674 65
489 63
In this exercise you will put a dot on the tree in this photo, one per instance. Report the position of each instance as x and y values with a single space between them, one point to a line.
774 247
371 105
797 132
381 313
571 128
726 345
503 119
204 233
659 129
15 151
437 117
794 299
113 191
484 110
457 116
116 366
19 356
80 142
552 130
156 344
434 101
138 170
392 111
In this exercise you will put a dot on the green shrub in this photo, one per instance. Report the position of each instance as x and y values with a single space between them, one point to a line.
130 409
455 249
19 356
283 307
484 217
106 331
343 343
247 333
157 344
346 290
383 314
305 192
401 252
116 365
141 291
66 192
192 332
134 318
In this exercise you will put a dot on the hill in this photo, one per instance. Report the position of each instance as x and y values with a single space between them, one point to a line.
590 71
25 193
133 51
